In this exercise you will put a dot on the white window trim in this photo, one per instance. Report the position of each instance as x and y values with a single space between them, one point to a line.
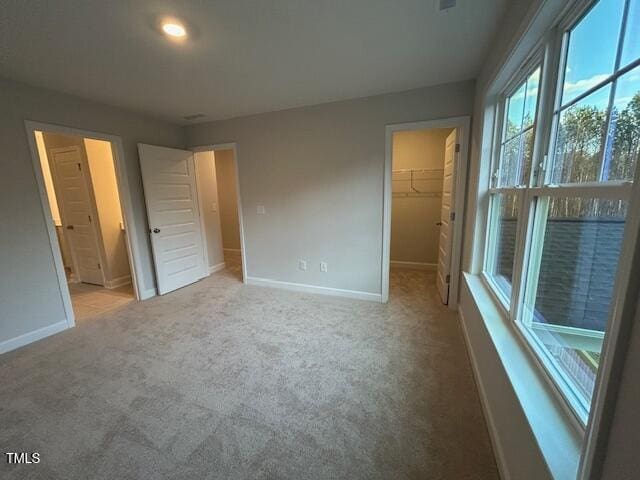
554 46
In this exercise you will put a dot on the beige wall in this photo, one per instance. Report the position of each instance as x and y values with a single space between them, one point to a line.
414 233
227 194
29 290
208 193
105 190
318 171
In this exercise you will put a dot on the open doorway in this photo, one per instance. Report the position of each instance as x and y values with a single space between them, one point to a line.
419 229
83 199
218 192
423 202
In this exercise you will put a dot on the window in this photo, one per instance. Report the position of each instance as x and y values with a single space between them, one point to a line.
511 172
559 191
516 147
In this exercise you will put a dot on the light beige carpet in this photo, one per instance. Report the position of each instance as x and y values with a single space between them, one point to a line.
225 381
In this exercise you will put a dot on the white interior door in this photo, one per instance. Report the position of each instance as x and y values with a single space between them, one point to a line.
168 177
72 188
447 216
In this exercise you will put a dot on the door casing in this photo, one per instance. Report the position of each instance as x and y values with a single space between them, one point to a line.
462 125
133 245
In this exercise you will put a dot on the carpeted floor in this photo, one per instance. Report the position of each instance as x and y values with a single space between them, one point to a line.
225 381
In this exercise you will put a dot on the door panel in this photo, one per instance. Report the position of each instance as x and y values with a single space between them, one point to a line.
168 177
78 218
446 227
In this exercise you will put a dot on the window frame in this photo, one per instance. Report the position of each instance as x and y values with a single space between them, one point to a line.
530 65
550 54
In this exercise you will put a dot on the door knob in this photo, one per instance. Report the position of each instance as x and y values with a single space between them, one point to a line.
156 230
438 223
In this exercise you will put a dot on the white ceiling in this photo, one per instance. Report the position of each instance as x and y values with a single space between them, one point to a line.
242 56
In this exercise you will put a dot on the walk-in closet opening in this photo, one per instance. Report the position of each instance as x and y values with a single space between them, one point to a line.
420 214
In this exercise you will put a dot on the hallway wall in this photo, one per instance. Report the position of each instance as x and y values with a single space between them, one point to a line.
228 196
205 164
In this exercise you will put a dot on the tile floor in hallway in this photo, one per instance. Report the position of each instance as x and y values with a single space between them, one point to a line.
89 301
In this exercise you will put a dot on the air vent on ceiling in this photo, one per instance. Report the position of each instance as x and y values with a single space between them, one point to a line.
195 116
446 4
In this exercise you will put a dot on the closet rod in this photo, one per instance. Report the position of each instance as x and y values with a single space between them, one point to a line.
409 170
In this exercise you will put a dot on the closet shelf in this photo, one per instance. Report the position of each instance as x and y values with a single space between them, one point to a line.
417 182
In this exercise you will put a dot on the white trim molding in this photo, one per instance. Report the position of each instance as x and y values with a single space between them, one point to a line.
494 436
147 294
301 287
217 268
118 282
232 250
532 429
133 249
462 125
30 337
414 265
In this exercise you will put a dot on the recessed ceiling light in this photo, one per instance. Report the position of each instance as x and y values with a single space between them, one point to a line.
174 29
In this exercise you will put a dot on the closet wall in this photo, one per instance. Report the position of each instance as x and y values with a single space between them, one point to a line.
416 211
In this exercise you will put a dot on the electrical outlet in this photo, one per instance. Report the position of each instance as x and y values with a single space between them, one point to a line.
261 210
323 266
302 264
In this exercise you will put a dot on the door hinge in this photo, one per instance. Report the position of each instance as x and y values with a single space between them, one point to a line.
89 218
100 268
452 216
448 278
79 166
457 147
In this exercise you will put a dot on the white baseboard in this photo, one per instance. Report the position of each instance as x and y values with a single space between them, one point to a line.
30 337
217 268
414 265
501 462
148 293
231 250
301 287
118 282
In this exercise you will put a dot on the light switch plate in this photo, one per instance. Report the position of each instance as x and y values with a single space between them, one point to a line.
214 207
261 210
302 264
323 266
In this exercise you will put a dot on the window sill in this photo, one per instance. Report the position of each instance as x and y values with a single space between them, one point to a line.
551 424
